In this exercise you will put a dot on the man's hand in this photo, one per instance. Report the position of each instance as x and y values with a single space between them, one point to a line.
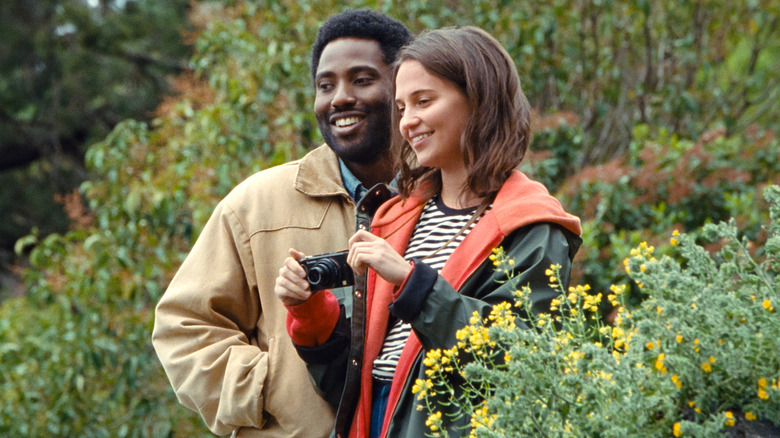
291 286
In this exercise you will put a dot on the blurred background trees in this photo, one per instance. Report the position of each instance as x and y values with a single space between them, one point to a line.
69 72
649 116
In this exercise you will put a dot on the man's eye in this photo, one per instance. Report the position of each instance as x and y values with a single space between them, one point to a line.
401 110
324 86
364 81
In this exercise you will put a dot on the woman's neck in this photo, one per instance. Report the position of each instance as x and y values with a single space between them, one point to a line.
454 193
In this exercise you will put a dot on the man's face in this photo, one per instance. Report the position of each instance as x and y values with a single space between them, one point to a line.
353 99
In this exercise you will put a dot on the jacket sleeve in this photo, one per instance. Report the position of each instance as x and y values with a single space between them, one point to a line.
202 327
320 332
437 311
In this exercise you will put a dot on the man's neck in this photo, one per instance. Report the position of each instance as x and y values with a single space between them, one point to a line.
371 174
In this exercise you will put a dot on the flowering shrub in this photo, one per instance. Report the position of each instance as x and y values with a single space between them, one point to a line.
698 357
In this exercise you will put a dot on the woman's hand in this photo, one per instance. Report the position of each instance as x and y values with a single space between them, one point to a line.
291 286
369 251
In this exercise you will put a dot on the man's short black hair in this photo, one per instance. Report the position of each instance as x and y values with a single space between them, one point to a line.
361 23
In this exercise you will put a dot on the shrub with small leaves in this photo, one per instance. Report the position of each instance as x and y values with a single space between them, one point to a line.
698 357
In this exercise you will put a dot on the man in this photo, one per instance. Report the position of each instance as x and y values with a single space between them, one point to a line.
219 329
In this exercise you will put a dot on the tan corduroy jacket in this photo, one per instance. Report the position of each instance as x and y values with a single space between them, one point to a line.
219 330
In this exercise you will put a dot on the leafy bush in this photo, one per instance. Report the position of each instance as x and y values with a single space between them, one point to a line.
697 358
669 183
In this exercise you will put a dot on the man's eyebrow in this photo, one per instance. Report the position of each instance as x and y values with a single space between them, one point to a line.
352 70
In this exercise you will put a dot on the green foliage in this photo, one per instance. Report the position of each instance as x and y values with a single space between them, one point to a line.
69 72
631 79
697 358
669 183
70 67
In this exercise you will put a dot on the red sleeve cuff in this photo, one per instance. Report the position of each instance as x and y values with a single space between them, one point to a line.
311 323
397 291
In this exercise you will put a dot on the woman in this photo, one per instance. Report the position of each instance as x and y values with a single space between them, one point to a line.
464 127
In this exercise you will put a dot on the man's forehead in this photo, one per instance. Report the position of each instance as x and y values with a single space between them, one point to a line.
347 53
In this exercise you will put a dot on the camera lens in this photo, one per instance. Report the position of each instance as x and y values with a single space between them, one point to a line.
322 273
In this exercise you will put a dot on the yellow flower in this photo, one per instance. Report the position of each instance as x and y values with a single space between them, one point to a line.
762 389
650 345
749 416
712 359
673 241
706 367
676 381
659 363
679 339
729 419
768 305
433 420
676 429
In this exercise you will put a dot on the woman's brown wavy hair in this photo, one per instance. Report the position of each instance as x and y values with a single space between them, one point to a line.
498 130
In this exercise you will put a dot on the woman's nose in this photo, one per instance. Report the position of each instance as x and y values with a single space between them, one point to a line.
408 121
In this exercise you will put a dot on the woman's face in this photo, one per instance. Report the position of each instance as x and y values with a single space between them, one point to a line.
434 113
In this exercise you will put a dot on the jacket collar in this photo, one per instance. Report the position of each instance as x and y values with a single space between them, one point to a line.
521 201
319 174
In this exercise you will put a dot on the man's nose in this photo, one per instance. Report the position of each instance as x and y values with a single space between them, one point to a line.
344 96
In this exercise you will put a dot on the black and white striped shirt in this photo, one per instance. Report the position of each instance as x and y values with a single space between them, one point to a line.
436 227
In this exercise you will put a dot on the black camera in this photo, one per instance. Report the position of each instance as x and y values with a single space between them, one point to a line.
327 271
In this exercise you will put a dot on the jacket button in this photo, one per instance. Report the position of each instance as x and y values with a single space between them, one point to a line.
357 293
362 226
354 362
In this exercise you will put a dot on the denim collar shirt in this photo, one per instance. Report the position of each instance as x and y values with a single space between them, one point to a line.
351 183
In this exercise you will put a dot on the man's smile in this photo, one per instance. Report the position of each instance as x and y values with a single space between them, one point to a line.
342 122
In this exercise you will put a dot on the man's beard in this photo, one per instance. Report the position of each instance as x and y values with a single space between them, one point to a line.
371 146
